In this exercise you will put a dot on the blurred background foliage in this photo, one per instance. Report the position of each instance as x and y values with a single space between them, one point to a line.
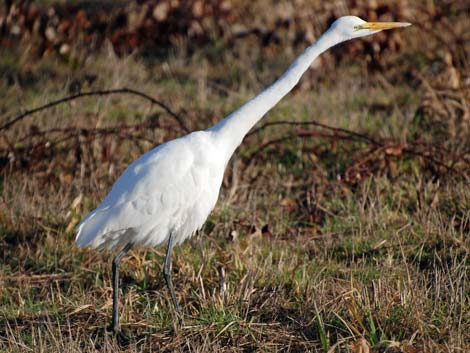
434 59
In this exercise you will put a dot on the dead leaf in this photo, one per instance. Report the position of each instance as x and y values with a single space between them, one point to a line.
288 204
394 150
160 12
361 346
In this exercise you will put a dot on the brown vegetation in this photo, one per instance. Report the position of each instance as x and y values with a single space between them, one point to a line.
344 219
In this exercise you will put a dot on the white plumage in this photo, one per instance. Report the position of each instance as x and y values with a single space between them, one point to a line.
178 185
167 194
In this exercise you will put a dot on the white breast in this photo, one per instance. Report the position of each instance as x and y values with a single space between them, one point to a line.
169 190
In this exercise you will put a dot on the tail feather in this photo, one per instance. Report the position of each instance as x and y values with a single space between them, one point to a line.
90 227
113 226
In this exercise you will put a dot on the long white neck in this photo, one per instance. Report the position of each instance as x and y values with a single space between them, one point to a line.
230 131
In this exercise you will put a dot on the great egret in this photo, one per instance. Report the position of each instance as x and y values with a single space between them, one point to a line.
167 194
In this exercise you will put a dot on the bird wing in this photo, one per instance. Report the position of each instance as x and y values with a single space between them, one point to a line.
157 194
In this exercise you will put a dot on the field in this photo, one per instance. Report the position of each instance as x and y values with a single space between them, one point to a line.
343 223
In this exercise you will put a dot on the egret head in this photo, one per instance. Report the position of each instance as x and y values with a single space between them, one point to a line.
349 27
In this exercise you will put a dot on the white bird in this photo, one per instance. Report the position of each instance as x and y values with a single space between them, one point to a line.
166 195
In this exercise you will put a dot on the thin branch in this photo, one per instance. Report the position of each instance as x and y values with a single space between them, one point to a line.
299 134
357 135
89 131
97 93
344 134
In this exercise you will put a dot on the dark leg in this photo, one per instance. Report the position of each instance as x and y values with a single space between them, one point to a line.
116 262
167 275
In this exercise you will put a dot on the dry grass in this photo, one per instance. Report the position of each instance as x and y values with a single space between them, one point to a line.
294 257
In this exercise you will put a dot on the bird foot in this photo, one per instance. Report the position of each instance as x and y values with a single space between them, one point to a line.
122 339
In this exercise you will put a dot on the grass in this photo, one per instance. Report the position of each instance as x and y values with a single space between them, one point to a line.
293 258
375 272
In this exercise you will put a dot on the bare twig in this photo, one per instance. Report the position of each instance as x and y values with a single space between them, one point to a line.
96 93
413 149
37 278
91 131
354 134
298 134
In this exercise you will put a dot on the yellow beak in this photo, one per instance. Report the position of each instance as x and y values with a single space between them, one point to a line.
382 25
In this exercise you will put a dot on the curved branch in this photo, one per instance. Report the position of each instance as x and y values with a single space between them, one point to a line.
356 135
96 93
343 134
298 134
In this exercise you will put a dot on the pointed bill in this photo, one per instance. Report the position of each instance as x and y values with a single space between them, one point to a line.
382 25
